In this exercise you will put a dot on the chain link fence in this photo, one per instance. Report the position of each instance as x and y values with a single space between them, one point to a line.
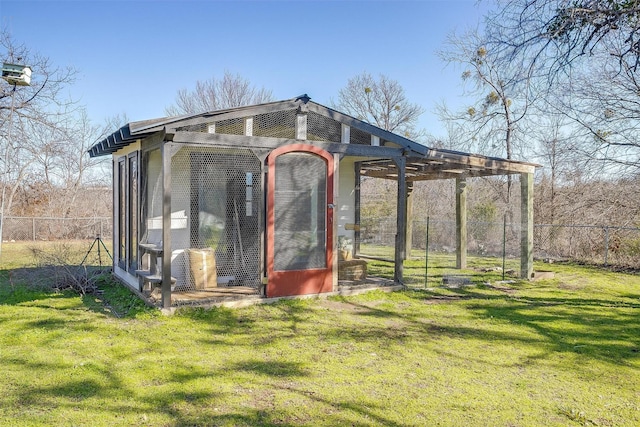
606 245
20 229
594 244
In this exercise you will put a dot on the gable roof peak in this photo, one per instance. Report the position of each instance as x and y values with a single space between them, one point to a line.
304 98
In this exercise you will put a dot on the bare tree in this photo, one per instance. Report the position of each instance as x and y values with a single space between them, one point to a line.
42 104
381 102
502 95
494 123
549 38
62 167
557 32
44 138
214 94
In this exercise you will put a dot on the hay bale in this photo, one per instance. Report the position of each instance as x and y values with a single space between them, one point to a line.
202 267
354 269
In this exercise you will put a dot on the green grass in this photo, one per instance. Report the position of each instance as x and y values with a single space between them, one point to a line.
31 254
479 269
559 352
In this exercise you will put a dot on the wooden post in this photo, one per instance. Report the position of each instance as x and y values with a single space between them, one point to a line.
356 213
301 126
334 221
409 237
461 223
345 137
166 224
526 226
401 221
248 126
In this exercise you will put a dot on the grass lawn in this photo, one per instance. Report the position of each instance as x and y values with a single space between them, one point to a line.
558 352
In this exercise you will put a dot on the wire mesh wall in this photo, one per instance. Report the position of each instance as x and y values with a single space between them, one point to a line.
593 244
45 229
605 245
216 219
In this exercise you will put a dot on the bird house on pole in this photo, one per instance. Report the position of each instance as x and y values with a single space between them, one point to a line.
16 74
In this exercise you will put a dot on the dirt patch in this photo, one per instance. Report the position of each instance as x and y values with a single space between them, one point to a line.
442 299
341 306
502 288
570 287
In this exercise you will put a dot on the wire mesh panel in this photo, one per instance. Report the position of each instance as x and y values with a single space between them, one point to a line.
198 127
230 126
216 218
300 203
589 243
322 128
277 124
357 136
21 228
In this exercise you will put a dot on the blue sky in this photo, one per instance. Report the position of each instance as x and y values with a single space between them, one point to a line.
133 56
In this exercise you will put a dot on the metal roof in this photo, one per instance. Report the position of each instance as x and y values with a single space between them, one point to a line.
133 131
423 163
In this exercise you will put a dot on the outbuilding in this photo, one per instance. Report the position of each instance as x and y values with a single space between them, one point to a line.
252 201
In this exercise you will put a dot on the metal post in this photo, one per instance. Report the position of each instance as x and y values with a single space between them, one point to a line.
33 228
504 244
606 245
6 166
426 256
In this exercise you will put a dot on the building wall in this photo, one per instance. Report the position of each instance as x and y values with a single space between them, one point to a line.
180 214
131 280
346 197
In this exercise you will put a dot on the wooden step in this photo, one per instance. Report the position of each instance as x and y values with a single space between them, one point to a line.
152 278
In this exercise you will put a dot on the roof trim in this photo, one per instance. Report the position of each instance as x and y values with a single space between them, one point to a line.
425 159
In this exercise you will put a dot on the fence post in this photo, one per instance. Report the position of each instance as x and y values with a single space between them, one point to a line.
33 228
504 244
606 245
426 255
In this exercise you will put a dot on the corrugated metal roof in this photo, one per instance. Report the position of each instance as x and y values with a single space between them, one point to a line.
141 129
422 162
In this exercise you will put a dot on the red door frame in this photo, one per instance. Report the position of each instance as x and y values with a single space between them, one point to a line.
298 282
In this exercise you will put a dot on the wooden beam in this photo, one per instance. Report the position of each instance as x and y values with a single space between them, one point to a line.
526 226
401 222
366 127
262 142
166 225
409 219
248 126
345 134
356 196
172 123
334 221
453 175
301 127
461 223
481 161
458 166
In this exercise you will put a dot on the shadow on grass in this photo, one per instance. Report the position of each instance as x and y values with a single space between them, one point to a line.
278 369
94 285
167 395
604 329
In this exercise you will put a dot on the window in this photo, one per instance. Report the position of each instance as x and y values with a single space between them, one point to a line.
127 245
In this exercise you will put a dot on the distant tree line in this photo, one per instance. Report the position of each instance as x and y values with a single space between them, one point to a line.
44 138
548 81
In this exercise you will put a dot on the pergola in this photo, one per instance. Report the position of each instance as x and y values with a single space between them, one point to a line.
438 164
